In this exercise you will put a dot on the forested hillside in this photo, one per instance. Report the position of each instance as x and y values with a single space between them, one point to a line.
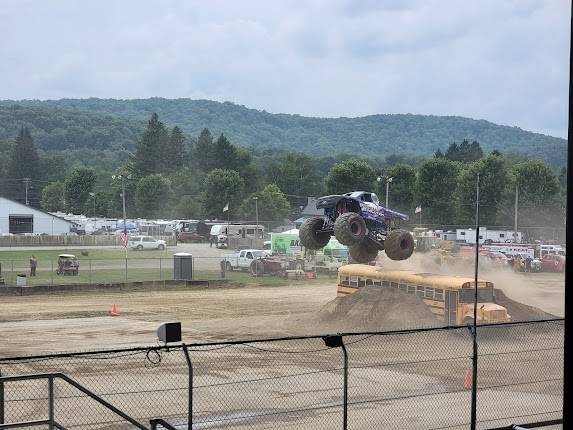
108 123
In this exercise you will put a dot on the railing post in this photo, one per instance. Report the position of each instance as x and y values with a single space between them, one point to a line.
345 400
337 342
90 271
51 402
160 267
1 400
190 389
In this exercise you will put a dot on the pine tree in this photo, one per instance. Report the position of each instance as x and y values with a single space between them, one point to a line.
150 155
203 156
23 163
176 152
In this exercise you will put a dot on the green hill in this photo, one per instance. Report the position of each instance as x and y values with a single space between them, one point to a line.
109 123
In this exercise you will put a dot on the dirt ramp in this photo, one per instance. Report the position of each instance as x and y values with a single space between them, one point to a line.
374 308
519 311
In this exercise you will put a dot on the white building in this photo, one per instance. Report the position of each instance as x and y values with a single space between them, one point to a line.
468 235
17 218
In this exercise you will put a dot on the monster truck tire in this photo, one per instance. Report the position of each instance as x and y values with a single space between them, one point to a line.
399 245
363 252
257 268
309 234
350 229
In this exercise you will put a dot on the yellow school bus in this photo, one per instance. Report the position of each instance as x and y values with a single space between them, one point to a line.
450 298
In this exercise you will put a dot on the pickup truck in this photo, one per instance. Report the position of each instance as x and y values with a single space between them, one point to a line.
241 260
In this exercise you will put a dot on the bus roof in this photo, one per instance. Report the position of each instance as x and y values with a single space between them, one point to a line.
410 277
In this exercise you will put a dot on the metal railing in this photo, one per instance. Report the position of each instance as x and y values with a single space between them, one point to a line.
416 379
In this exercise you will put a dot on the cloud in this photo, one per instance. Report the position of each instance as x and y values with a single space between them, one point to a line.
506 62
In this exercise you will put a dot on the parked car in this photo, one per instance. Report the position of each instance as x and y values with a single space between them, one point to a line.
68 264
140 243
553 263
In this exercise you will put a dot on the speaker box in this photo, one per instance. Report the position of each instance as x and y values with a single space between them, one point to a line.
169 332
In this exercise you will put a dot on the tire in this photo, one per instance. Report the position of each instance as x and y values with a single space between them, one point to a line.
139 247
399 245
257 268
363 253
350 229
309 234
161 247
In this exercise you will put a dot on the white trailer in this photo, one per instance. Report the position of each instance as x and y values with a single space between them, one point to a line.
468 235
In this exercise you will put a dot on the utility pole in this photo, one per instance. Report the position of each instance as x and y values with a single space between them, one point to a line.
515 221
27 182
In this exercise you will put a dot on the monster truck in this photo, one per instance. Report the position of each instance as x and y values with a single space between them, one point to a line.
357 220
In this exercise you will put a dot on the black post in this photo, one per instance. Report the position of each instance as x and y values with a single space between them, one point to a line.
1 400
345 400
568 240
337 342
51 402
474 331
190 389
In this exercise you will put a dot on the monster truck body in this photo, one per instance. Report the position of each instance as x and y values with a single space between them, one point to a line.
358 221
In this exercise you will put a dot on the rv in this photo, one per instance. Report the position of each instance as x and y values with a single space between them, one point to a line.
236 235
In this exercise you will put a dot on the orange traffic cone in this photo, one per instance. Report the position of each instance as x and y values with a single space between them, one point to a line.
468 379
114 311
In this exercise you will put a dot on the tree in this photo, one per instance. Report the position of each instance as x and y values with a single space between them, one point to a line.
437 179
272 205
53 197
493 182
438 154
203 151
23 163
150 154
222 187
465 152
77 188
402 188
176 151
351 175
537 183
295 174
151 196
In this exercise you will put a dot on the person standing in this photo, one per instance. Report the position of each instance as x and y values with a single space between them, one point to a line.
33 265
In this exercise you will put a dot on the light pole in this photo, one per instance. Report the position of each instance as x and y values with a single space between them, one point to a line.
388 188
122 178
256 199
93 196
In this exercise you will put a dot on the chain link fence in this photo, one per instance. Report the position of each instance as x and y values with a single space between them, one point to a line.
110 271
418 379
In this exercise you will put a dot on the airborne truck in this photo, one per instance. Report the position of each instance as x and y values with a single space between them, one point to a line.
358 221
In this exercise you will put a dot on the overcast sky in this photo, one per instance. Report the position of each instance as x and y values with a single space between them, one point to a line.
504 61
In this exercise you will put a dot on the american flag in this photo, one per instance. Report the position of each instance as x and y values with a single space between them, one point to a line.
123 238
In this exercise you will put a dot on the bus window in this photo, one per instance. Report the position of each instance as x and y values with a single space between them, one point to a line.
467 295
439 294
376 282
385 283
369 282
344 280
361 282
420 291
394 284
354 281
429 293
411 289
403 287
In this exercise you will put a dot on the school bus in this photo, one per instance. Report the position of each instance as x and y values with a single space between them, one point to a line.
450 298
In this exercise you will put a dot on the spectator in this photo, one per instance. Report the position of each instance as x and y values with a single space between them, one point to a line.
33 265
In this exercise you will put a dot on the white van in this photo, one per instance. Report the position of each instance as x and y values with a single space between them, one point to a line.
224 232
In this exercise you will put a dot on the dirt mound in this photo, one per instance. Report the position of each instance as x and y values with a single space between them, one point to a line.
374 308
519 311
